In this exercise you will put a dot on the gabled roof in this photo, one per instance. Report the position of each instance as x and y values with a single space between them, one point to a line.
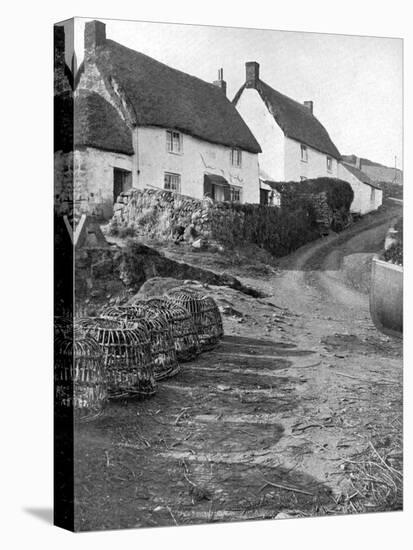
89 121
165 97
295 120
363 177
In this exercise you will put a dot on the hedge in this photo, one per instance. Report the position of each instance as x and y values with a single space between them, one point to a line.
276 230
339 193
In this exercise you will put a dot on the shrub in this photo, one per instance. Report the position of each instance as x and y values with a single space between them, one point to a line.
276 230
394 254
339 193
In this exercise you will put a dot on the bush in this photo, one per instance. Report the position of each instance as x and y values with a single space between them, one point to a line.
276 230
339 193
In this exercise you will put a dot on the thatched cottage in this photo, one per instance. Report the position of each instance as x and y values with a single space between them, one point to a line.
367 195
295 145
143 124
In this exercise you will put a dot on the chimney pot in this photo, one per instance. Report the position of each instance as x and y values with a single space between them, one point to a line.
220 83
309 105
252 73
95 35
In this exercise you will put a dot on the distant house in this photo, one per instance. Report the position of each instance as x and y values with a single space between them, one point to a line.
295 145
173 131
375 171
367 195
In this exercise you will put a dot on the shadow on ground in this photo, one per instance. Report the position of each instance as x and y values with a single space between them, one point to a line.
201 450
44 514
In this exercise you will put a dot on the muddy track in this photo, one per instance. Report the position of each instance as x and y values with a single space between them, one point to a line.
262 424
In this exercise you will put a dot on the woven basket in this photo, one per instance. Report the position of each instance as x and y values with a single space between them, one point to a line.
127 355
183 329
80 384
162 342
205 314
63 324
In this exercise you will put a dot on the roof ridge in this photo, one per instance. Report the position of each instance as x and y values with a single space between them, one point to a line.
167 97
150 58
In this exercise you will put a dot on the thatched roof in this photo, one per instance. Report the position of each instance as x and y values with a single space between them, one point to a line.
362 176
165 97
296 120
96 124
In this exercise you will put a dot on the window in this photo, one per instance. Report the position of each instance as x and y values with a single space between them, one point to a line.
235 193
172 182
329 164
173 141
304 153
236 157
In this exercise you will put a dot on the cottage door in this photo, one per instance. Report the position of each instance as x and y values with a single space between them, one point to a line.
122 181
117 183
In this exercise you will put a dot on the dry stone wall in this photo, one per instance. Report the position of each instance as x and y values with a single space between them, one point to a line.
168 216
161 214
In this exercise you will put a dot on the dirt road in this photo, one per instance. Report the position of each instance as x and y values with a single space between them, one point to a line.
267 422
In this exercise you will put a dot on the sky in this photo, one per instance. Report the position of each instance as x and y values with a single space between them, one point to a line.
356 82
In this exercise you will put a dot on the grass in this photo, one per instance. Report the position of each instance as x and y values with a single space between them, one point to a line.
376 475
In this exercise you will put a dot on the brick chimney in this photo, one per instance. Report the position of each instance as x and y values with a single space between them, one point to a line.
252 74
309 105
95 35
221 82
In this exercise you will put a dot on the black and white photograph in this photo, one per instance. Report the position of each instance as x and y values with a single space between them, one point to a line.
228 274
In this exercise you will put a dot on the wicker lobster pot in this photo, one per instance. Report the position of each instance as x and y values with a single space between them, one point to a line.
62 325
183 329
162 343
127 356
79 376
205 313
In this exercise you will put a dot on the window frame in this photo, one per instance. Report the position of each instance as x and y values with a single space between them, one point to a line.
304 152
235 189
170 148
329 164
172 175
236 153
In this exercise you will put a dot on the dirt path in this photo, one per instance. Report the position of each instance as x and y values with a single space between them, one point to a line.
263 424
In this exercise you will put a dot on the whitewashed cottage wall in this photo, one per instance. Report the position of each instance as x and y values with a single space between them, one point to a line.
197 158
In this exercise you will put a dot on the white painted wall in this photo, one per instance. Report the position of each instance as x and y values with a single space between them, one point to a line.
266 131
315 167
366 198
88 173
197 158
280 159
151 159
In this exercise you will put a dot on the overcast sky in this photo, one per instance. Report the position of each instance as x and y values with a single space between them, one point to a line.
354 81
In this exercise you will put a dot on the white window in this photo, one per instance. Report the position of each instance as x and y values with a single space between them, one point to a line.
329 164
304 153
235 193
236 157
172 182
173 141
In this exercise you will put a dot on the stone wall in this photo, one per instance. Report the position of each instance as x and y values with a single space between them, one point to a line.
168 216
162 214
83 180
